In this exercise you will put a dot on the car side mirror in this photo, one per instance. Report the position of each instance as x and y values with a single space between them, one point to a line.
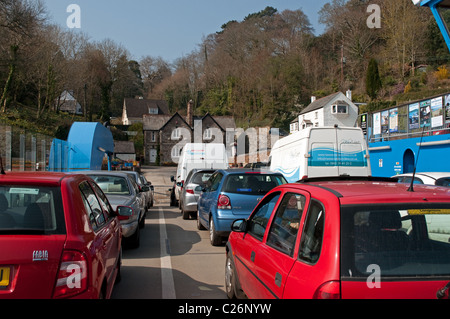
124 212
239 226
144 188
172 178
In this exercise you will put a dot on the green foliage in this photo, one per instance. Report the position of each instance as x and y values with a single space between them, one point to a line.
373 81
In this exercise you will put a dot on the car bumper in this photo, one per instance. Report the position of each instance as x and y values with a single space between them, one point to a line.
129 229
190 207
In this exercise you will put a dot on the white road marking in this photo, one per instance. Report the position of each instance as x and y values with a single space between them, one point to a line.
168 285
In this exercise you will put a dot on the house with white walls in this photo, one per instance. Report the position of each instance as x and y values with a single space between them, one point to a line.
334 109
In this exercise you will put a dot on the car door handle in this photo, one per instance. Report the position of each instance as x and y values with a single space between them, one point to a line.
252 256
278 279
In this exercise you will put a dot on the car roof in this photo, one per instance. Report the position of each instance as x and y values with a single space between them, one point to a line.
35 178
373 191
249 171
434 175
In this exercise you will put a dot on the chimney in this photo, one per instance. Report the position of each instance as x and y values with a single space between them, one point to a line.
190 113
349 94
313 99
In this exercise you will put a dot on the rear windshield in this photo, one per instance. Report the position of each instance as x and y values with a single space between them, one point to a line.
252 184
112 185
201 178
402 240
31 209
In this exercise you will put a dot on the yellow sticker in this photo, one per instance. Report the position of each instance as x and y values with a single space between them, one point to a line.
4 276
428 211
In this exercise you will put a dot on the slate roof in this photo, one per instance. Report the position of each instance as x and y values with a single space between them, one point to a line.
139 107
124 147
320 103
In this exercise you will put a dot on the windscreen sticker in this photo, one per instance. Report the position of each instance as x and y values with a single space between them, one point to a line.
25 191
428 211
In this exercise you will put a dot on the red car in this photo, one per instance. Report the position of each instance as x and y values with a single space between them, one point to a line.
343 239
59 237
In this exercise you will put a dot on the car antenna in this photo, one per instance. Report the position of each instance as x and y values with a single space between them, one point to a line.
2 171
411 186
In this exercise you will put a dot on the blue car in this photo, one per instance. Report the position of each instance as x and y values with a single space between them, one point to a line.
232 194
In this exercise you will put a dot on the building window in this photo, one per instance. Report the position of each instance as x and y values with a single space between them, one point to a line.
154 136
339 109
152 111
176 152
207 134
175 134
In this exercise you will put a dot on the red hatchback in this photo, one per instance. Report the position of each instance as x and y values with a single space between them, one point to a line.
343 239
59 237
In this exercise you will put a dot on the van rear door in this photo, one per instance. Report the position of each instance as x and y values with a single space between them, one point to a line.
322 153
337 151
352 155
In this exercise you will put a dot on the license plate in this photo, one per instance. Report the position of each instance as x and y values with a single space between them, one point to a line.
4 276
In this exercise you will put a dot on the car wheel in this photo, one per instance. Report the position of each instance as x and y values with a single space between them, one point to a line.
215 239
142 221
186 215
232 285
135 239
230 277
199 224
119 265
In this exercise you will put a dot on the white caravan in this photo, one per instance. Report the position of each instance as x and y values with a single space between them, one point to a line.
321 152
197 155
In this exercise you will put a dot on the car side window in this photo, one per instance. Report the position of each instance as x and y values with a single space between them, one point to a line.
312 235
93 208
104 201
215 182
284 228
259 220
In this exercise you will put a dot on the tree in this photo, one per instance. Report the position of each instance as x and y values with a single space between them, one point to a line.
373 81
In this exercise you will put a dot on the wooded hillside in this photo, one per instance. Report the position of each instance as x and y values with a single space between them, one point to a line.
262 70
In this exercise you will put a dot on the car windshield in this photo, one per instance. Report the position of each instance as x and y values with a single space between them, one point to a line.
252 184
402 240
31 209
112 185
201 178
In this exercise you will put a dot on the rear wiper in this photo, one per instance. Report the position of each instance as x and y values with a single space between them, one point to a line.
442 292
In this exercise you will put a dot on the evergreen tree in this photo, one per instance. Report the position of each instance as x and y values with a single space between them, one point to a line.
373 81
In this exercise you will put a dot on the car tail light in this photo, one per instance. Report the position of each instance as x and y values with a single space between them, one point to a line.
124 212
72 275
223 202
190 190
328 290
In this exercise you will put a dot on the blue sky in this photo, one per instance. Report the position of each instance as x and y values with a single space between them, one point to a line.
169 29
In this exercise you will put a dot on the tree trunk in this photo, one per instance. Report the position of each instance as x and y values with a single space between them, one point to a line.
7 88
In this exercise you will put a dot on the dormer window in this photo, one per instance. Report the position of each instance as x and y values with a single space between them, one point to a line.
339 108
152 110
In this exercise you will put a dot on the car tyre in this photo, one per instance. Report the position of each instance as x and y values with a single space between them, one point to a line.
135 239
199 224
215 239
186 215
230 277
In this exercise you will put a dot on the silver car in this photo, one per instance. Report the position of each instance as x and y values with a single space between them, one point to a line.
143 187
191 191
121 190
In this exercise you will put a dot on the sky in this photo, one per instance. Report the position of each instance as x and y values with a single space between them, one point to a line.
169 29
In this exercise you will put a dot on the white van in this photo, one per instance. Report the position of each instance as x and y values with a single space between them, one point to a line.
321 152
197 155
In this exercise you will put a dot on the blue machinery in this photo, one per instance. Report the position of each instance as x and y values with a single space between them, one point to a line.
86 147
396 156
437 7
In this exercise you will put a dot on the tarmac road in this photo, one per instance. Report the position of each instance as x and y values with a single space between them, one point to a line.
174 260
